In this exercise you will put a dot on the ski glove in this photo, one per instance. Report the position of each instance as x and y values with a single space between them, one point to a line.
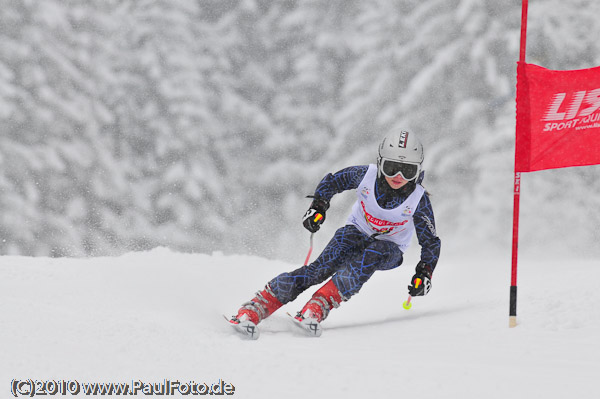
421 281
315 215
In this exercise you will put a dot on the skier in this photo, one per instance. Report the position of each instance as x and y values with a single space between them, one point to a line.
391 204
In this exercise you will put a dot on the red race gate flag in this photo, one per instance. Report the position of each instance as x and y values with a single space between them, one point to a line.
558 118
558 125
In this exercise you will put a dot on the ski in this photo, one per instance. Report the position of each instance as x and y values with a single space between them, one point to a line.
249 330
309 327
246 328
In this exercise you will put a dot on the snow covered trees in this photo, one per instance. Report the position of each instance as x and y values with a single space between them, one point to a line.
202 125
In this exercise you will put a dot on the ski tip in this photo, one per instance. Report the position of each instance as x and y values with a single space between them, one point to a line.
246 328
310 327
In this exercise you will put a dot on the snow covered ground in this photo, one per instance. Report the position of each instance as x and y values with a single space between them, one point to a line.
158 315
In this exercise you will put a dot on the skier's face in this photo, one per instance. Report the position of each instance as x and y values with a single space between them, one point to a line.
396 182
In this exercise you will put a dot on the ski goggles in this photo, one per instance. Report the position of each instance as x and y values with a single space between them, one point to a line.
408 171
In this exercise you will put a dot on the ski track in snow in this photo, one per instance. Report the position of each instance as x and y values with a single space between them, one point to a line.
157 315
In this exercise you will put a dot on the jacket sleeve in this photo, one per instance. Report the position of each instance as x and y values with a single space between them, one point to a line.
426 232
345 179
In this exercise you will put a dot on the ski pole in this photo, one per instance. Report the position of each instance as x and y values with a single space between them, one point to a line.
310 249
407 305
318 217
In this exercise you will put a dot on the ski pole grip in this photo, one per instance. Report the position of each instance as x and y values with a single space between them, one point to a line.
417 282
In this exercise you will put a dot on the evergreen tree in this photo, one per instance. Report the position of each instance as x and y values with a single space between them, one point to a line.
202 125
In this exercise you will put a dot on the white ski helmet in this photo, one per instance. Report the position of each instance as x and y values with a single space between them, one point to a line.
400 152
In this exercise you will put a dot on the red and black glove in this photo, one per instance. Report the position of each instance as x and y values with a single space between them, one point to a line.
421 281
315 215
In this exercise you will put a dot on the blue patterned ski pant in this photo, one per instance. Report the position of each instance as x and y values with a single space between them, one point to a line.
351 257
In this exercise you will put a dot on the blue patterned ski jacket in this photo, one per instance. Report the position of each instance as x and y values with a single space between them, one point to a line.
387 198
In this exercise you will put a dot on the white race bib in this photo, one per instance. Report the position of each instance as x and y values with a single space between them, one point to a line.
394 225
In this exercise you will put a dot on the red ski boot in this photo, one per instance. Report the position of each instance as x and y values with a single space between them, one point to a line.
260 307
317 308
254 311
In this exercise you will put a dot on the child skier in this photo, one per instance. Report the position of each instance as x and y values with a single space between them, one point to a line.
391 204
